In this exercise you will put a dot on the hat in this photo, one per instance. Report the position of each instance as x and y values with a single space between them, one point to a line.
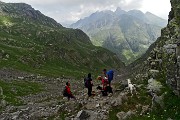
99 78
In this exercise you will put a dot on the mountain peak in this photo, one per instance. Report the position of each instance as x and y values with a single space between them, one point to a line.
114 31
151 14
136 12
148 12
27 12
119 11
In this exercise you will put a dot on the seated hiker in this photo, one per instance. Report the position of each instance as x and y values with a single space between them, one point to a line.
105 89
67 91
104 82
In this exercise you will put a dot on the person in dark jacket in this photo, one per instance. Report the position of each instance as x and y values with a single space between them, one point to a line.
90 84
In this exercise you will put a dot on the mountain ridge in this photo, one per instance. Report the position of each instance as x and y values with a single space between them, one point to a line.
101 24
36 43
24 10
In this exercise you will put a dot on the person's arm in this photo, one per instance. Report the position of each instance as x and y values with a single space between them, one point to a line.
91 82
103 83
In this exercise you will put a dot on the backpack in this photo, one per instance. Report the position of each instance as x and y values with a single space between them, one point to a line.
110 74
86 82
64 92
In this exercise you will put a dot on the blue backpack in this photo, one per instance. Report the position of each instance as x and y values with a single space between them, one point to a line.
110 74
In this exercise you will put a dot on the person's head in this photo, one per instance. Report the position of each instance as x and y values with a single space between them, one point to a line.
89 75
99 78
104 71
67 83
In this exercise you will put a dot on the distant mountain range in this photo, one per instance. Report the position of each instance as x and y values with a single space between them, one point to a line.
128 34
33 42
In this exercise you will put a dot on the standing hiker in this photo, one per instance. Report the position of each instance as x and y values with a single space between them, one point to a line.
104 73
89 84
109 75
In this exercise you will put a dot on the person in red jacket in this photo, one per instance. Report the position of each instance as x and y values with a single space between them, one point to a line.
68 91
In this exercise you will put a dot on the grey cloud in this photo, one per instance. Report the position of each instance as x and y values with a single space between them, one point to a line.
134 4
72 10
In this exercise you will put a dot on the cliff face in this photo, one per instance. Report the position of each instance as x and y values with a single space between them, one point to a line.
170 38
162 59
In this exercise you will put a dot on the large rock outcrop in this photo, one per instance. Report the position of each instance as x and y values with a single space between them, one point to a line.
163 57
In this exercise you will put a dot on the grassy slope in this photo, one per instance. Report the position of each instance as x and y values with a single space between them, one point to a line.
126 36
13 89
171 107
39 48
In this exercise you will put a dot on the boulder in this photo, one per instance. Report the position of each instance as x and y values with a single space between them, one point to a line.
123 116
154 85
145 109
153 73
158 99
128 115
120 115
116 101
88 115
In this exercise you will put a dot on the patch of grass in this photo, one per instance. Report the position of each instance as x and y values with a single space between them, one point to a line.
141 98
113 112
63 115
130 104
15 89
171 108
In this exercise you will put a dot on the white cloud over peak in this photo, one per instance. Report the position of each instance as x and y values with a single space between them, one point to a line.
68 11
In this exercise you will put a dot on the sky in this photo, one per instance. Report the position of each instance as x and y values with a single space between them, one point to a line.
69 11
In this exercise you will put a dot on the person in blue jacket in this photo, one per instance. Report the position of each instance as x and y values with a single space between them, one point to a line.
109 75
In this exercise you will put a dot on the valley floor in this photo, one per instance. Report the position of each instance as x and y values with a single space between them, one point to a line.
44 100
49 101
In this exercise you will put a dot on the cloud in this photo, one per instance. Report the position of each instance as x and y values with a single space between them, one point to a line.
74 10
68 11
157 7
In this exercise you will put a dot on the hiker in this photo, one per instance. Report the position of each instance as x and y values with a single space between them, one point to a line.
109 75
67 92
89 84
104 73
104 81
105 89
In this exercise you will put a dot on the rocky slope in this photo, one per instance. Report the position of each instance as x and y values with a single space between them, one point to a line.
28 96
48 102
34 50
159 66
163 55
128 34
